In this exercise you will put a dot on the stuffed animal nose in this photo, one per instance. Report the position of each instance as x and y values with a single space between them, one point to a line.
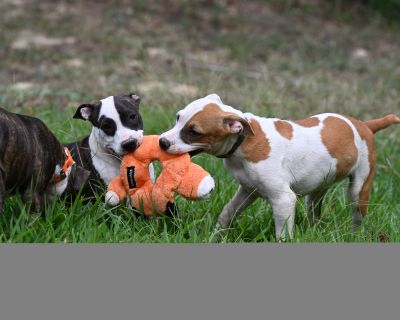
164 144
129 145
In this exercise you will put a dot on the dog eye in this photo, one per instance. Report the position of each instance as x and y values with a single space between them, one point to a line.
105 126
132 116
177 117
194 133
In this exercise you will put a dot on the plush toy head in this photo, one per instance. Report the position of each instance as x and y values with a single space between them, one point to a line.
178 175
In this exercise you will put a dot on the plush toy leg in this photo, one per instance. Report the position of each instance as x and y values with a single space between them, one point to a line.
196 183
168 181
115 192
163 192
141 199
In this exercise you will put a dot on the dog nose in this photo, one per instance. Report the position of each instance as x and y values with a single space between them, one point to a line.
164 144
129 145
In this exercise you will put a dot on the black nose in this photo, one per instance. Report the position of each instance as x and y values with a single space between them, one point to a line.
129 145
164 144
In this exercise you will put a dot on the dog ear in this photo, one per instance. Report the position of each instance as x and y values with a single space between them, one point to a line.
236 124
84 111
215 97
135 97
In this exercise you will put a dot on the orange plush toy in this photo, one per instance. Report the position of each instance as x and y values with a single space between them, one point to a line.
178 175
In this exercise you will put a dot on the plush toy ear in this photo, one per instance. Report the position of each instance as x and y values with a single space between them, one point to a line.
236 124
84 111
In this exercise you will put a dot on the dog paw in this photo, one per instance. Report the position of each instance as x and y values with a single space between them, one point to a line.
111 198
206 186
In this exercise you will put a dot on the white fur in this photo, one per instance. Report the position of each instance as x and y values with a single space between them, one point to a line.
299 166
106 164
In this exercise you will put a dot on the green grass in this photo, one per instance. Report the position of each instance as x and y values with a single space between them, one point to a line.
196 219
274 58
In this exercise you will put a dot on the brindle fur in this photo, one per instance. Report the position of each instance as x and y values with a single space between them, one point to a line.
29 153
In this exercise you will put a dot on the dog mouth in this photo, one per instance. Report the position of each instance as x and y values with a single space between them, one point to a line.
195 152
112 152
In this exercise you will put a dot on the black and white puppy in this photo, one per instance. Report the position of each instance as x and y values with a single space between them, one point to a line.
33 163
117 129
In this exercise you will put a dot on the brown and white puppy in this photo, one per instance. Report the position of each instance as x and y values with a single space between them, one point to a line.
33 162
281 159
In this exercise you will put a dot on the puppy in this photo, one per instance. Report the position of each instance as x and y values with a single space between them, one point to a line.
33 162
280 159
117 129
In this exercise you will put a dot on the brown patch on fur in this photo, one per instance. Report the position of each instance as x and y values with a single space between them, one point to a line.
210 126
338 137
366 134
256 148
208 123
308 123
284 128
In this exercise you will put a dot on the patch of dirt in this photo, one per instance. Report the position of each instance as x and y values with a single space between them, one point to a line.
22 86
76 62
28 38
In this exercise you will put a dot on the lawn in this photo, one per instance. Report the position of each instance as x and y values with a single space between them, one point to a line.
287 59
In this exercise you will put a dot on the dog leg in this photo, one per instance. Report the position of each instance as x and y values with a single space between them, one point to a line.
284 207
314 205
35 198
240 201
359 190
2 193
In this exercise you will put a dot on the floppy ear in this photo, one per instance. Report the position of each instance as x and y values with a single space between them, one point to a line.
236 124
84 111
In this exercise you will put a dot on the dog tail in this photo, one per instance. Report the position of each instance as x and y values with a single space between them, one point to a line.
378 124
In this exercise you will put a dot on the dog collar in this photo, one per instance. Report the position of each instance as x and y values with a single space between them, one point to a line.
67 164
234 147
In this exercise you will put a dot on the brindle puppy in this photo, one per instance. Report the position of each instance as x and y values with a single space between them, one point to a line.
32 161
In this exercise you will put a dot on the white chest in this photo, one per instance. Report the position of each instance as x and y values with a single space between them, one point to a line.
106 166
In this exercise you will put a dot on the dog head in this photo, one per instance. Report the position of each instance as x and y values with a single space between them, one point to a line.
206 124
117 124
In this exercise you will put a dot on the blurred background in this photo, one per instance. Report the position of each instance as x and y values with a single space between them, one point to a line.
277 58
289 58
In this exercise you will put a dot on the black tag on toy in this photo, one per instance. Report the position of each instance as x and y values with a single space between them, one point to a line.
131 177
